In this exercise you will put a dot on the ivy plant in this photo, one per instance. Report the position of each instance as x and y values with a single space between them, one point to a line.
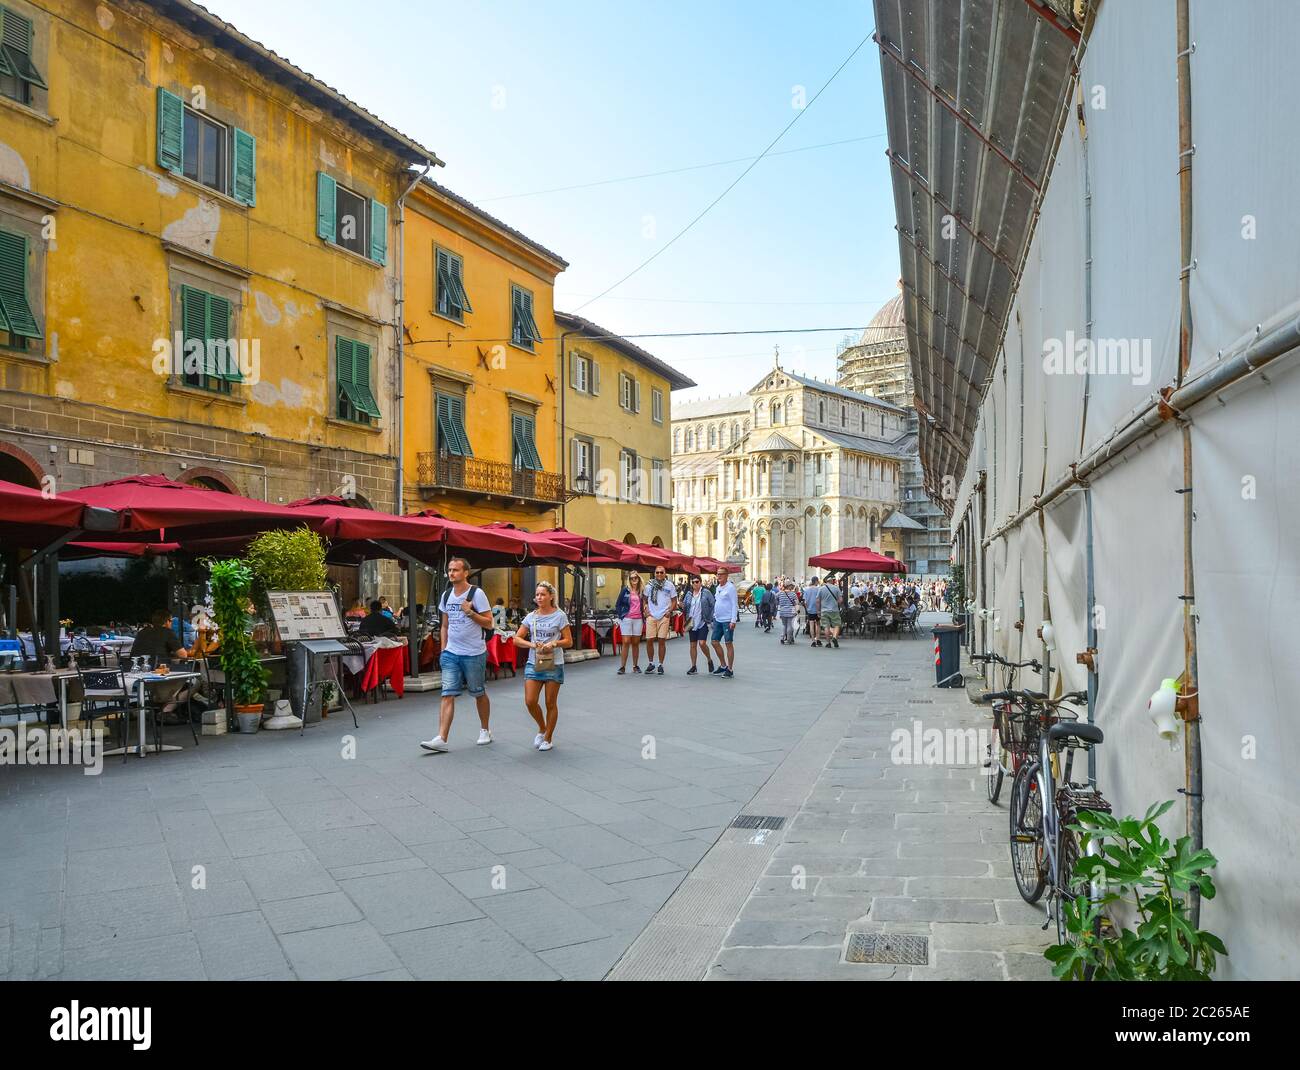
232 582
1137 865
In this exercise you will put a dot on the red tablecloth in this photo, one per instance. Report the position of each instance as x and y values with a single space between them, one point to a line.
501 651
387 664
679 623
589 637
616 636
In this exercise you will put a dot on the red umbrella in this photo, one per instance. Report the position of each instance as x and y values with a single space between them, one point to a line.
542 545
152 505
493 543
670 559
33 519
710 564
597 551
343 520
857 559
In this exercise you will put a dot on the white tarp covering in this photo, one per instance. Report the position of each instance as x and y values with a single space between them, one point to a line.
1246 444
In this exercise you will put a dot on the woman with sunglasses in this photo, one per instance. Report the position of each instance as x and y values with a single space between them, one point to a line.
545 633
698 607
631 611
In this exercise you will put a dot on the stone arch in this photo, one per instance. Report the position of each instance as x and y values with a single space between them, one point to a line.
211 478
657 541
630 539
19 466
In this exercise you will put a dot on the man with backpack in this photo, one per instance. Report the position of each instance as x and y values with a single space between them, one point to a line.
466 615
829 618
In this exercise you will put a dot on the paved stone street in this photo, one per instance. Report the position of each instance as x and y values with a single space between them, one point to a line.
500 862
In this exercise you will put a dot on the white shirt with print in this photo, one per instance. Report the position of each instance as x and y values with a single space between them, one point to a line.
546 629
464 634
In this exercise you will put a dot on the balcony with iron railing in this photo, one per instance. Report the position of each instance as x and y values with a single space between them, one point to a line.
475 478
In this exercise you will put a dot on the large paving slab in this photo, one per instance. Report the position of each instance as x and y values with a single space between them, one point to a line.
275 855
873 842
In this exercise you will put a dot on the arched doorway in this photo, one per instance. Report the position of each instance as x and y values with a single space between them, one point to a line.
19 466
210 479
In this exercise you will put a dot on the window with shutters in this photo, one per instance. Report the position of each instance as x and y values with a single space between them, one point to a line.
658 483
209 353
20 78
523 436
350 220
580 379
453 440
629 393
629 476
19 327
585 465
353 376
450 297
523 327
657 405
196 146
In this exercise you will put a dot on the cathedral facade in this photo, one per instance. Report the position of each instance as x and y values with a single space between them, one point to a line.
792 468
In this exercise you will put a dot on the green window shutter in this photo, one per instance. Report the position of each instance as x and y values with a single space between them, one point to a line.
15 311
525 448
326 215
378 233
343 370
219 310
458 283
16 47
442 295
171 131
458 419
194 316
593 379
361 380
245 168
516 317
451 426
529 322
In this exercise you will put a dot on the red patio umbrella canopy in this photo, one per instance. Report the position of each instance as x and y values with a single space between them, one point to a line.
602 551
31 519
857 559
148 504
502 538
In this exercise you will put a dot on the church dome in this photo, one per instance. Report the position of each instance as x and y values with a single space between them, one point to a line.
886 324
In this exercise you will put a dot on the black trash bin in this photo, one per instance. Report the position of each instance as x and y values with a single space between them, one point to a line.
947 655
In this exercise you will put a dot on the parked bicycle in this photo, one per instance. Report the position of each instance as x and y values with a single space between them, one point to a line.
1045 802
1011 743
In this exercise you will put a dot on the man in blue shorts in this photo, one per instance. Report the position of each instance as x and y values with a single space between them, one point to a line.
726 612
698 607
465 613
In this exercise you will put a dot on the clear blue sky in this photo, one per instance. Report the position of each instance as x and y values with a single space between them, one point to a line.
598 90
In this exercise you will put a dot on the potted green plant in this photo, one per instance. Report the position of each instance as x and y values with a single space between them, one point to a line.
288 561
957 594
232 582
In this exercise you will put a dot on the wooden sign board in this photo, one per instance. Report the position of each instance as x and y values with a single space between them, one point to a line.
303 615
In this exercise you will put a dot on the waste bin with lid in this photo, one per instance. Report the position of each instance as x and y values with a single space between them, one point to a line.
947 655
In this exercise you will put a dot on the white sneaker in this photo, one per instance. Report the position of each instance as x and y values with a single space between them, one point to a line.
543 745
538 740
484 736
436 744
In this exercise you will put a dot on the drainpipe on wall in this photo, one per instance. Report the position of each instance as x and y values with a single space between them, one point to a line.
564 456
399 325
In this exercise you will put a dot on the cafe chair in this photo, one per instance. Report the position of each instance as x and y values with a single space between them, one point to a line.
106 696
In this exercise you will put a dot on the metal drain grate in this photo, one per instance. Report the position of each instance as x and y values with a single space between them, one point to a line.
895 948
893 676
848 691
758 821
920 702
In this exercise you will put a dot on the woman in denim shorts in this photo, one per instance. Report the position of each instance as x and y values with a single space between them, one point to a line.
544 631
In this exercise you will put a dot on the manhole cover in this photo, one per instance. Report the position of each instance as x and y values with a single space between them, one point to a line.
758 821
895 948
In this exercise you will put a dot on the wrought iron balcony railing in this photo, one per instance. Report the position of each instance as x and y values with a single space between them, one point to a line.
476 477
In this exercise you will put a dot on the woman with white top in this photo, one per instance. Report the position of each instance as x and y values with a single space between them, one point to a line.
631 611
546 633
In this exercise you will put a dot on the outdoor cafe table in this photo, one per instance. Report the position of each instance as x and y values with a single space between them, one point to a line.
378 663
137 682
40 689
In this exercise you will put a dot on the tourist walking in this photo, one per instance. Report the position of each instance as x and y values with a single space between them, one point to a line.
463 661
630 610
546 633
726 612
698 607
828 615
787 605
660 601
756 593
811 602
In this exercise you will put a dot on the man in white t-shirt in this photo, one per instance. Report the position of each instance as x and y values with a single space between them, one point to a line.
465 613
660 600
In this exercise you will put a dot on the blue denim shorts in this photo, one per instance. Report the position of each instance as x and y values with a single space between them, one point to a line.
549 676
723 632
462 672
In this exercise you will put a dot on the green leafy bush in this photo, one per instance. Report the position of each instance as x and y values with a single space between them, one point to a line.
1136 859
232 583
286 561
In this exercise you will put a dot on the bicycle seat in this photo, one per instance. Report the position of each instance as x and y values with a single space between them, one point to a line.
1088 733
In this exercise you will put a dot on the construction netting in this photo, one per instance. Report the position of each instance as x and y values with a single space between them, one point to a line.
1103 271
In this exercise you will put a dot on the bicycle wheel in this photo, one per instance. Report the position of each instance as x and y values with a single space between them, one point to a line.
993 774
1027 833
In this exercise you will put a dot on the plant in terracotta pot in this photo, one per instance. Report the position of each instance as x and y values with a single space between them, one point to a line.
232 581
